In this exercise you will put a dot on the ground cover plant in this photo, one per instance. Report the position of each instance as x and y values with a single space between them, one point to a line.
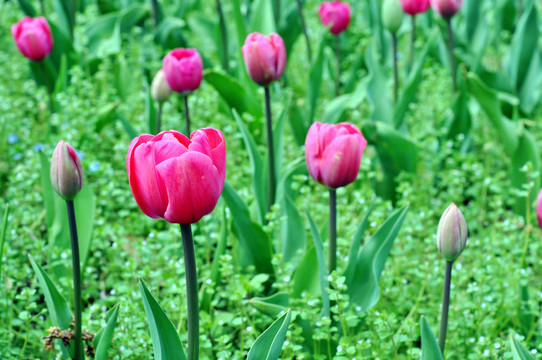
270 179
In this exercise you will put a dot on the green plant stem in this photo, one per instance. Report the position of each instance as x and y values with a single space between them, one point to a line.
277 12
451 52
520 8
271 149
338 53
395 71
78 355
223 35
445 306
412 42
304 27
332 230
159 118
187 115
72 17
47 86
155 12
3 238
191 292
42 8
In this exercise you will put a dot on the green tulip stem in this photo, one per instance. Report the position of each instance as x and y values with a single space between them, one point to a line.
47 86
412 42
159 118
191 292
223 35
3 232
155 12
338 53
78 355
42 8
304 27
445 306
277 12
332 230
395 71
271 149
451 53
187 115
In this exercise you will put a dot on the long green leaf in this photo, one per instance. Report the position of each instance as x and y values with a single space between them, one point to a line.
305 279
255 244
104 337
518 350
356 245
363 287
3 231
430 348
526 152
315 77
271 305
233 93
377 88
322 269
269 344
263 20
165 340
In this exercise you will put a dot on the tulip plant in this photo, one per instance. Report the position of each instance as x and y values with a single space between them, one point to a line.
413 8
337 15
67 181
183 70
179 179
392 17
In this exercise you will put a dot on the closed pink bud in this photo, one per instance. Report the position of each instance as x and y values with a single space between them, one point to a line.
33 37
452 233
446 8
539 208
176 178
66 171
183 69
414 7
265 57
336 13
333 153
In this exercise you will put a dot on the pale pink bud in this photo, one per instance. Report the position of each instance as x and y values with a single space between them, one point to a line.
452 233
265 57
66 171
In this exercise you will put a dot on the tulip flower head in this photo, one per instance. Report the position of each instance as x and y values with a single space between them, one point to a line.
183 70
446 8
265 57
452 233
336 14
415 7
160 90
333 153
176 178
33 37
539 208
392 15
66 171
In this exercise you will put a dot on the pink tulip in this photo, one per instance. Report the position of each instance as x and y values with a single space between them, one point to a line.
176 178
446 8
66 171
33 37
333 153
265 57
183 69
539 208
414 7
336 13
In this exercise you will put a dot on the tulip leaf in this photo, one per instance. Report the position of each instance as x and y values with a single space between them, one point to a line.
315 77
363 287
3 231
377 87
150 112
169 32
271 305
526 152
356 245
63 11
57 305
27 8
430 348
263 20
104 337
232 92
128 128
255 244
292 229
305 279
322 269
518 350
338 106
165 340
259 173
269 344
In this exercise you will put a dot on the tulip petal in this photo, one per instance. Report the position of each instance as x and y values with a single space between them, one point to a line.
192 185
342 158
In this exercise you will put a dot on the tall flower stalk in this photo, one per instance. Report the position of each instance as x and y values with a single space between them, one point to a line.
413 8
392 18
191 291
304 27
271 149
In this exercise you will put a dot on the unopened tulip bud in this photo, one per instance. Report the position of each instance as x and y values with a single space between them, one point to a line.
539 208
452 233
160 90
392 15
66 171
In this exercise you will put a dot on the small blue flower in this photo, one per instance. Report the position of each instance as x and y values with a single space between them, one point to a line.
95 166
12 138
80 154
18 156
38 147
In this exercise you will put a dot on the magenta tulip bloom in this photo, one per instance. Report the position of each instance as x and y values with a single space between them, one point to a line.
176 178
539 208
414 7
183 69
265 57
66 171
446 8
336 13
33 37
333 153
